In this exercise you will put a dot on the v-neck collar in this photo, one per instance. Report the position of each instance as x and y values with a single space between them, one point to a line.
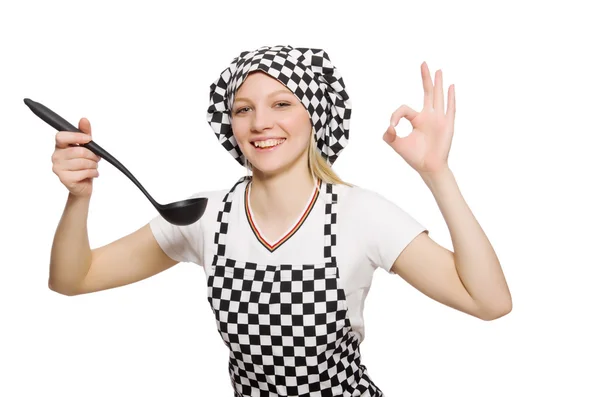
272 246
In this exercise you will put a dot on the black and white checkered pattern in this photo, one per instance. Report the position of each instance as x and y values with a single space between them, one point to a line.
286 325
308 73
330 225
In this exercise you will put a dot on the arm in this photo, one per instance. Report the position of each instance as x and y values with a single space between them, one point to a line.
469 279
76 269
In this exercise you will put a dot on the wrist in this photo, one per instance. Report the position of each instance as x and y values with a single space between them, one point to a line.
435 177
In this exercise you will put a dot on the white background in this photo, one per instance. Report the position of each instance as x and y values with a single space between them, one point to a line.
526 76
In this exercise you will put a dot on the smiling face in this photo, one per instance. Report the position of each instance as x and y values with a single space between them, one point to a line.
270 125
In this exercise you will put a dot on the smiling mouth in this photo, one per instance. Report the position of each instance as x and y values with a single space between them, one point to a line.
267 144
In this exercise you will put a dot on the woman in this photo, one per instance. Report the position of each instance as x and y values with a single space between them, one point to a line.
290 250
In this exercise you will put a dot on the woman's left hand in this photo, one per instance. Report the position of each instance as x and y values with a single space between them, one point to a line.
427 147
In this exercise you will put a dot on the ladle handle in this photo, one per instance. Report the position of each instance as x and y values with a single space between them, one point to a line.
61 124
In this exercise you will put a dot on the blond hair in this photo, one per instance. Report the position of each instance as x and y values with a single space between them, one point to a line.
319 168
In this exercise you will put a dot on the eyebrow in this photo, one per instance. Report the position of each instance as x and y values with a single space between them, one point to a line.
282 91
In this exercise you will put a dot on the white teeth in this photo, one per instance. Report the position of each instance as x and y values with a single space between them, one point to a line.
268 143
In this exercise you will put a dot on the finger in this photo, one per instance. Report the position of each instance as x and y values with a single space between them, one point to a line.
451 104
79 164
390 135
74 177
427 87
403 111
398 143
85 126
64 139
438 92
76 152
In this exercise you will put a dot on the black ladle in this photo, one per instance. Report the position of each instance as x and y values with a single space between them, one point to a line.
182 213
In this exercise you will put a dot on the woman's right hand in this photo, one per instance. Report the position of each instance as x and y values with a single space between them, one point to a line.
75 166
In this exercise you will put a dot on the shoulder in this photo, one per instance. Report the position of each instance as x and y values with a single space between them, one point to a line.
186 243
372 209
353 196
377 224
217 196
214 203
213 196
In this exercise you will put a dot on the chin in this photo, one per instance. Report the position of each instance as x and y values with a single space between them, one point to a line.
270 167
275 165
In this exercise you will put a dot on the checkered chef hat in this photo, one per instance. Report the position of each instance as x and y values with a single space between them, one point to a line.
308 73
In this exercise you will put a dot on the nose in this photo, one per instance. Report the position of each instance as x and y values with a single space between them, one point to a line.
261 119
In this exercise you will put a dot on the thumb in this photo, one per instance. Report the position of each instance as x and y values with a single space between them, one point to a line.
85 126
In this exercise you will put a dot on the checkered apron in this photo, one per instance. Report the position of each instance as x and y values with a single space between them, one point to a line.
286 325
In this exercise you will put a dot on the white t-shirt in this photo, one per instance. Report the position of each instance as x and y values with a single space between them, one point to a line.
371 232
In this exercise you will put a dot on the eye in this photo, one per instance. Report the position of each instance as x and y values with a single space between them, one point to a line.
284 104
240 110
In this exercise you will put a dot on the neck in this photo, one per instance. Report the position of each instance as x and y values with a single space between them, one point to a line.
282 196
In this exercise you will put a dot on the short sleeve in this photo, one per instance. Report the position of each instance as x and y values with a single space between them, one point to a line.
388 229
180 243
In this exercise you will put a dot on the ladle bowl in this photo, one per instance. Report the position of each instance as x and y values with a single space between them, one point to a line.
181 213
